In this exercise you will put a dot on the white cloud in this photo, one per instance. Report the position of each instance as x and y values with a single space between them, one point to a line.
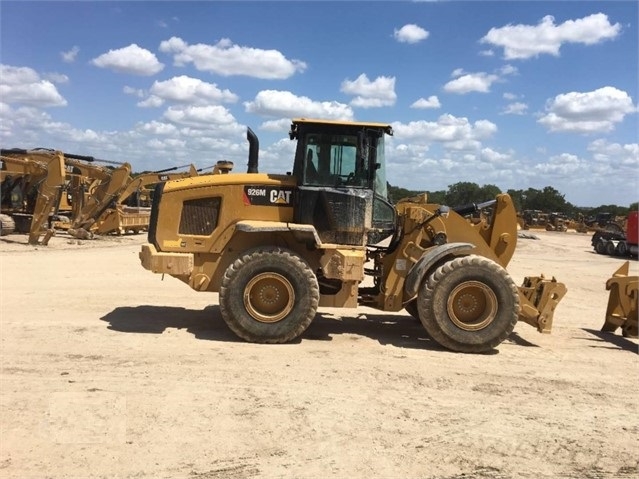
516 108
452 132
134 91
278 156
201 117
563 164
479 82
184 89
57 77
23 85
508 70
227 59
410 33
423 103
494 157
71 55
526 41
133 60
615 153
284 104
369 94
191 135
165 144
158 128
587 112
280 126
151 102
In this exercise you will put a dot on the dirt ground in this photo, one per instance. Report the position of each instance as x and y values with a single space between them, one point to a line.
108 371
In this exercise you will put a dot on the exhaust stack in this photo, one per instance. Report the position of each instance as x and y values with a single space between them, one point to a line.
254 148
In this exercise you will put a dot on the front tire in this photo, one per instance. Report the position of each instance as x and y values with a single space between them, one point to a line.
269 295
469 304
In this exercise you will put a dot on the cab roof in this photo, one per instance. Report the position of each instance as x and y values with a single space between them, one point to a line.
297 121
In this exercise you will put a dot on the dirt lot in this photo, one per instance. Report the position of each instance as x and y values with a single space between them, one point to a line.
108 371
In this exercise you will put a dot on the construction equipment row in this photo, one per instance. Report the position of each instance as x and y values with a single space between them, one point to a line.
46 190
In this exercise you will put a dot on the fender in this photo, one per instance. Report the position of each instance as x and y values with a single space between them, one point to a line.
428 259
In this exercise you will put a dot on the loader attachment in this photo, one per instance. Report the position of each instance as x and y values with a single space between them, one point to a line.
538 298
105 191
622 303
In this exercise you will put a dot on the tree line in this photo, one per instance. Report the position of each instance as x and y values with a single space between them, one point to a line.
547 199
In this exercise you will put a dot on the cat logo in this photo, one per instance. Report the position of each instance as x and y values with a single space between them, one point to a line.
258 195
282 197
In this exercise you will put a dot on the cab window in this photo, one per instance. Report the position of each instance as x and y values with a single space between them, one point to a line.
332 160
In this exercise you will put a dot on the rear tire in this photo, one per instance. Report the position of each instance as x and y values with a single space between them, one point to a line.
600 246
269 295
610 248
469 304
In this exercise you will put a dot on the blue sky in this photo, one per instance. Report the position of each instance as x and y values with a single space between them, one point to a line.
517 94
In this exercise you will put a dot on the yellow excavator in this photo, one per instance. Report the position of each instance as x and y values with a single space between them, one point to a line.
131 209
31 184
94 191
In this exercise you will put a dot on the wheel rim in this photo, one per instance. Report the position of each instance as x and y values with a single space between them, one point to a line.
472 306
269 297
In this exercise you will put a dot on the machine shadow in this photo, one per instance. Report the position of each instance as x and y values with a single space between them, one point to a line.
207 324
203 324
399 330
614 339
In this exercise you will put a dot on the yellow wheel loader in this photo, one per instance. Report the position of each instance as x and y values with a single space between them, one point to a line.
278 247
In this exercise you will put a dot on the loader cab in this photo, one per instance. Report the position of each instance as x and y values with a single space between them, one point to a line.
342 189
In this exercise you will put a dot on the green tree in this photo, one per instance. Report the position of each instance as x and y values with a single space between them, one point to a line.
488 192
551 200
462 193
516 196
395 193
465 193
438 197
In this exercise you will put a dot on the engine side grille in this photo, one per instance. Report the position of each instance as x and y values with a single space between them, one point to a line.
199 216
